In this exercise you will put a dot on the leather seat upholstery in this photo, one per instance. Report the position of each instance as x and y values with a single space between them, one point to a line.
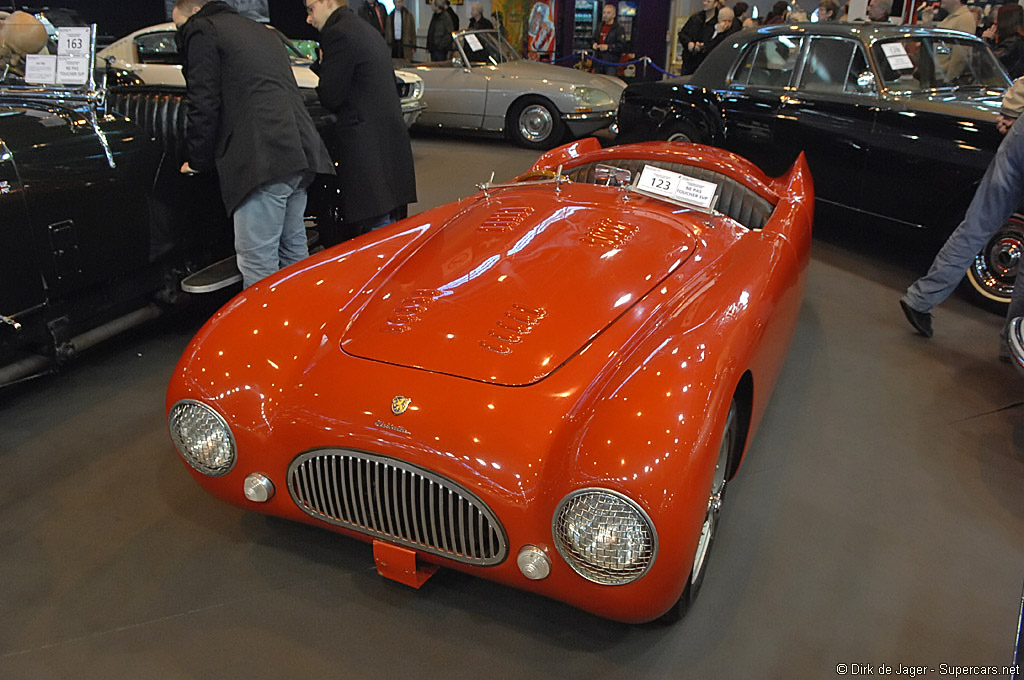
735 200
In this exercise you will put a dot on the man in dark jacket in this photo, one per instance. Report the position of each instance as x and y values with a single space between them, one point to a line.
451 13
439 33
477 20
247 121
357 84
609 42
374 14
695 35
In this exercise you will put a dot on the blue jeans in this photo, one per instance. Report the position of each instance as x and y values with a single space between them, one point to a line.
361 227
269 229
1000 193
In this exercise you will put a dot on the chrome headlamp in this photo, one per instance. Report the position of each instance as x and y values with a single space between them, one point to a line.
590 98
202 437
604 536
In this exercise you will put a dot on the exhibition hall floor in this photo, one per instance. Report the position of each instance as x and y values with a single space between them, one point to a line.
878 518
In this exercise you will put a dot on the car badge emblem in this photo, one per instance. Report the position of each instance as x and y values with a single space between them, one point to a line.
400 405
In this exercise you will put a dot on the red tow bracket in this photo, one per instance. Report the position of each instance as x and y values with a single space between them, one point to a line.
399 564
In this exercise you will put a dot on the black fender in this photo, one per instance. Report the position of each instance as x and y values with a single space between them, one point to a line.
650 113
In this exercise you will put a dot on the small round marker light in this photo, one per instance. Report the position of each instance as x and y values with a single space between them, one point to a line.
533 562
258 488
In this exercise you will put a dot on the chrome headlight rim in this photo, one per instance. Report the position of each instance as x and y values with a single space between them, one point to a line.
590 573
182 450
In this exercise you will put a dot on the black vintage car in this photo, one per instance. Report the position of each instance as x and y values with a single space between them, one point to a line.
97 226
897 122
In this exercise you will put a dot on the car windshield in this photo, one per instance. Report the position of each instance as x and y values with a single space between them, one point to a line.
486 47
915 64
161 47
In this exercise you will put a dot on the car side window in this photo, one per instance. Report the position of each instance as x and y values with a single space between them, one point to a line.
833 65
769 62
157 48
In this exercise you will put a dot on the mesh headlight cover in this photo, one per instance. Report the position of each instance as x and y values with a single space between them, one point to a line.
604 536
202 437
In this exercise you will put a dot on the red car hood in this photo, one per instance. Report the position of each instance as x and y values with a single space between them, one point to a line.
517 283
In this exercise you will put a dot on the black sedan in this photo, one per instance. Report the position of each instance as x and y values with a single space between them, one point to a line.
898 123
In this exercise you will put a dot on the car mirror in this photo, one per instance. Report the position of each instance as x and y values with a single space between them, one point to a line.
457 61
866 82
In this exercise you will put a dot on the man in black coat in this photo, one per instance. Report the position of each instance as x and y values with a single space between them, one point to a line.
695 35
357 84
374 14
477 20
451 14
247 121
439 33
609 42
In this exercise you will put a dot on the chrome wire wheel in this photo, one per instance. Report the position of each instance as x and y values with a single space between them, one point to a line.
994 269
707 532
536 123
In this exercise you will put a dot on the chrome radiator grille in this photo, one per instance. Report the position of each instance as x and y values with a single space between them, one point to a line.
398 502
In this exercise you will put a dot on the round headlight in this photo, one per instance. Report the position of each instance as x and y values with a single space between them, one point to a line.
202 437
604 536
591 97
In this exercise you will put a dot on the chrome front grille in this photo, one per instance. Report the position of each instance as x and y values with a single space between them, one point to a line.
397 502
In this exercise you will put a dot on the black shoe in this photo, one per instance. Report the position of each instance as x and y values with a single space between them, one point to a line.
921 321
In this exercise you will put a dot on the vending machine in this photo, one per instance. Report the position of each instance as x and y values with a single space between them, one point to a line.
585 20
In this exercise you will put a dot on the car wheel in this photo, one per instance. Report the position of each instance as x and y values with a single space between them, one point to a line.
534 122
726 451
995 267
682 131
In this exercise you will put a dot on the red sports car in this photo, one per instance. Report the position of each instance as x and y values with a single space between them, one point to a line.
546 384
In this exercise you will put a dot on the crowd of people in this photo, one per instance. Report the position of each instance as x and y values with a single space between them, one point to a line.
1003 28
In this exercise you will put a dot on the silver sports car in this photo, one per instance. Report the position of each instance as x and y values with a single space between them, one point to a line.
487 86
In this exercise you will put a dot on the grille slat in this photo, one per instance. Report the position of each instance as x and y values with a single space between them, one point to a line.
398 502
388 501
360 496
336 469
451 513
432 499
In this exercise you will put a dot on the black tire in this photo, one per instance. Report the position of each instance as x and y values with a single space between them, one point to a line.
994 269
682 131
731 440
534 122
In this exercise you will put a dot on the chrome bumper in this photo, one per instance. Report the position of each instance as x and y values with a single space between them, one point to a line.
411 112
584 123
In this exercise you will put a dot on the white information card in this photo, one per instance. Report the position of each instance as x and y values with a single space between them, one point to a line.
677 187
473 42
896 55
74 41
41 69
